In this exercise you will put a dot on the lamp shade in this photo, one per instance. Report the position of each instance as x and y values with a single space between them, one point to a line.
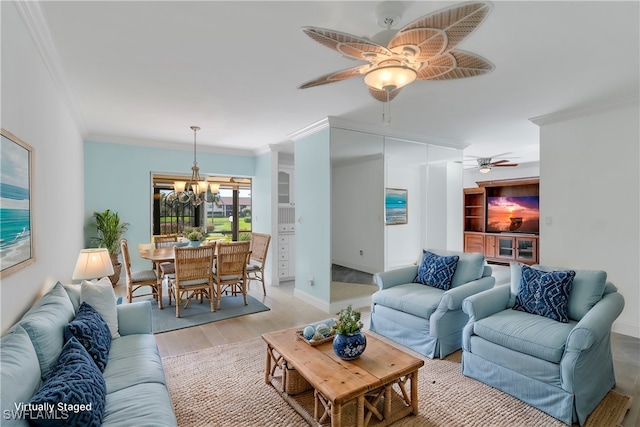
93 264
390 76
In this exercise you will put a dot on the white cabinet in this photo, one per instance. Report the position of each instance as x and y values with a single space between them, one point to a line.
286 256
285 186
286 224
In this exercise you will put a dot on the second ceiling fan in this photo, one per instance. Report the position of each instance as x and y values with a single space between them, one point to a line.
485 164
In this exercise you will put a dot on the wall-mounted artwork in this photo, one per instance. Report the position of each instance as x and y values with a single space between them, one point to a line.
395 206
16 210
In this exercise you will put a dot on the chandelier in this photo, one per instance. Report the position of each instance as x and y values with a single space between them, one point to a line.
195 190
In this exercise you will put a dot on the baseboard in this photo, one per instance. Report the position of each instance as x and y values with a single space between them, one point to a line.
356 303
362 268
626 329
314 301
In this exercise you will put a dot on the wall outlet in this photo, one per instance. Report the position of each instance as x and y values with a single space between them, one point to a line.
361 252
310 281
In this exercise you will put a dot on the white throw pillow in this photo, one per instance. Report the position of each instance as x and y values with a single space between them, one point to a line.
100 296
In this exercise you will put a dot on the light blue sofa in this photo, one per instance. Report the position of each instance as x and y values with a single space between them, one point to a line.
563 369
424 318
135 383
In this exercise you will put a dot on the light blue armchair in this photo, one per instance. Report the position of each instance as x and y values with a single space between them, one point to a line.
424 318
563 369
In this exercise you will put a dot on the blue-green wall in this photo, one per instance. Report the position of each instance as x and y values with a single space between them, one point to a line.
118 177
313 209
261 194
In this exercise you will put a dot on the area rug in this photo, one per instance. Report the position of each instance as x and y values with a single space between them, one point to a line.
225 385
198 314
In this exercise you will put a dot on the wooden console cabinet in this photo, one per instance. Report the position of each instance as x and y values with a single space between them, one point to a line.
498 247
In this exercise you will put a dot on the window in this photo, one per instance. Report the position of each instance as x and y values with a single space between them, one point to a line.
225 214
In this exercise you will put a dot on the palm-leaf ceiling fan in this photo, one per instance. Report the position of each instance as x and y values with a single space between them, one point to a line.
422 50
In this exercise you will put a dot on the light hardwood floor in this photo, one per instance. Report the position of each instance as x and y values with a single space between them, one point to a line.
287 312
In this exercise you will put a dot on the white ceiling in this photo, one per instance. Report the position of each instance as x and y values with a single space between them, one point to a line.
148 70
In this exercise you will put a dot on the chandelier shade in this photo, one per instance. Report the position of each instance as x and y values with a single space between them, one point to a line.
195 190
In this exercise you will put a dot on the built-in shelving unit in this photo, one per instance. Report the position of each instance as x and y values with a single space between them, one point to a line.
286 224
498 247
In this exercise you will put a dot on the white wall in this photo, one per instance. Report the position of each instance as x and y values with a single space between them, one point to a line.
444 200
455 240
356 214
590 195
406 168
34 110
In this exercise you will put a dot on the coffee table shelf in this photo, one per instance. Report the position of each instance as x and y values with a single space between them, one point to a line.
376 389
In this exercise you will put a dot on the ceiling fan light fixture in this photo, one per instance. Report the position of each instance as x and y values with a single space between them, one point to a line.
484 169
390 77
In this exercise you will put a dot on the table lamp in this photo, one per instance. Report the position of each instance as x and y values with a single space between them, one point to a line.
92 264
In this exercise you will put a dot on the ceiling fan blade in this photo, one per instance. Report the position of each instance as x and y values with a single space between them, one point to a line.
346 44
499 161
428 41
383 95
334 77
455 64
498 156
457 21
502 165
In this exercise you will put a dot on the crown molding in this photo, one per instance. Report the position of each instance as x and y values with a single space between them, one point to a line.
167 145
310 129
585 110
340 123
37 26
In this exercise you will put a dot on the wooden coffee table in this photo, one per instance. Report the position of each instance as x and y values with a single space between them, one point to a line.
376 389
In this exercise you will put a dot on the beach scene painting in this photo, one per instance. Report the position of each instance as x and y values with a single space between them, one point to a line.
16 240
395 206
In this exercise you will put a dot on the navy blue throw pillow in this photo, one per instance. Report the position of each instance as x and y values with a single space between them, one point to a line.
92 332
73 394
545 293
436 270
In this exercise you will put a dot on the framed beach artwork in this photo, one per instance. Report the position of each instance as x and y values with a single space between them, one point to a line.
395 206
16 210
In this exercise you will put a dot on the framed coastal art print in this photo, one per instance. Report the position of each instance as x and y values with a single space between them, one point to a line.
395 206
16 210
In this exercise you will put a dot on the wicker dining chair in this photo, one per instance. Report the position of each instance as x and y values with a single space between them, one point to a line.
230 270
138 278
259 246
166 241
193 277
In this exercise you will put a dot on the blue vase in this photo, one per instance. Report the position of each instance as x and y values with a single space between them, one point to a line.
194 243
349 347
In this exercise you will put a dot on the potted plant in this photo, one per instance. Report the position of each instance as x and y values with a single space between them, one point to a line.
110 231
349 342
195 236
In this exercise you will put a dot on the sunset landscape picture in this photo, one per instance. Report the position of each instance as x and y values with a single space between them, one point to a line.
513 214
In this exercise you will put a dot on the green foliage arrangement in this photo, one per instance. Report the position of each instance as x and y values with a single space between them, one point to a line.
194 234
348 321
110 230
